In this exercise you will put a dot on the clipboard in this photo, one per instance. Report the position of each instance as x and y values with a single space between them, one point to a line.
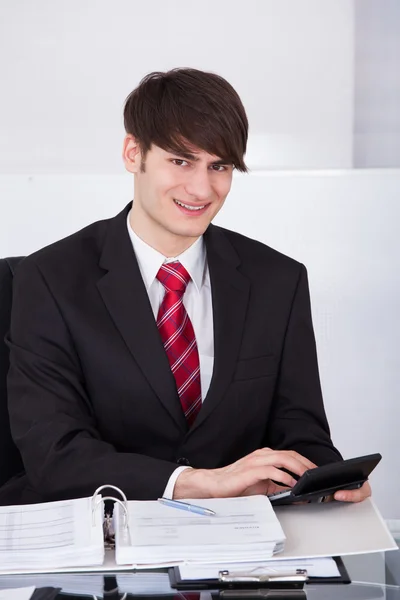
237 581
291 580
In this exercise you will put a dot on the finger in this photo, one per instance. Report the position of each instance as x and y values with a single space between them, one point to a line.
274 488
251 474
329 498
292 453
305 461
349 496
269 475
281 459
354 495
275 475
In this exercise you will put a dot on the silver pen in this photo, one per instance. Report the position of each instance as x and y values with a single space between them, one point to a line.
199 510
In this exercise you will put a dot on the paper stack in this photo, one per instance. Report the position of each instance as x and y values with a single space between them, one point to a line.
51 535
159 535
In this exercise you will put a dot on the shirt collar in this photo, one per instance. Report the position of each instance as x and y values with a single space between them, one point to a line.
150 260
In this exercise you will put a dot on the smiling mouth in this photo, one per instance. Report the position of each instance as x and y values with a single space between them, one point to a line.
193 208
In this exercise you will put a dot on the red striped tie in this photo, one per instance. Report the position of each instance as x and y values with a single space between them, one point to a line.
178 337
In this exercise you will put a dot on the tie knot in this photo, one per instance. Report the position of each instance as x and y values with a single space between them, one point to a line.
174 277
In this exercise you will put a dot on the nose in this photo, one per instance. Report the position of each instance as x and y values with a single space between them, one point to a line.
199 185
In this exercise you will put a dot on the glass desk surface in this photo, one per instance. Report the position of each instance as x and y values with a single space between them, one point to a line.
373 576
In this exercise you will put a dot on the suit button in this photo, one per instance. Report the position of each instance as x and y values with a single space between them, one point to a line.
183 461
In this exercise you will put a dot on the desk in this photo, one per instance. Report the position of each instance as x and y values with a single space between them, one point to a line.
374 576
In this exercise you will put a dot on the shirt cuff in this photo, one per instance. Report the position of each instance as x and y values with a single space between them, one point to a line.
169 490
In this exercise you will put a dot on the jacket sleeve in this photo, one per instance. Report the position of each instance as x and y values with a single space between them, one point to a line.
52 419
298 421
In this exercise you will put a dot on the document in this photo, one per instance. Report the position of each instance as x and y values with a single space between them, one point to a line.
159 534
17 594
52 534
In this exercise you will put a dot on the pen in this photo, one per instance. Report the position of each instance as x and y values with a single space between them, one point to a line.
200 510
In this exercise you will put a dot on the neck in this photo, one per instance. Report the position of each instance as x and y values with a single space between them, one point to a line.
167 244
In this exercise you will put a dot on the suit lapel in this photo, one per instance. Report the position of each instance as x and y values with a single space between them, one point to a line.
124 294
230 295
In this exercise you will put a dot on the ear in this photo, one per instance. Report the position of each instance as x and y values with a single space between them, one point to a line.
131 154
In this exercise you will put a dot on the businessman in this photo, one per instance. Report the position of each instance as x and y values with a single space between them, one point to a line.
155 351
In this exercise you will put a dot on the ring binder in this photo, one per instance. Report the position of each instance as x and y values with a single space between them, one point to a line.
58 536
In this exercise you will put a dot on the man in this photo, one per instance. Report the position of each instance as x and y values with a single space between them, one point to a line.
157 352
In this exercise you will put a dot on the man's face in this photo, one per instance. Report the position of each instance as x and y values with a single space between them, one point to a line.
176 196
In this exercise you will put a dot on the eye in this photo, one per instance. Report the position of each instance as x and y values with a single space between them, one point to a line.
179 162
219 168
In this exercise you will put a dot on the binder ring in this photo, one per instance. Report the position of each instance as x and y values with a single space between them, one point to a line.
112 487
97 499
100 499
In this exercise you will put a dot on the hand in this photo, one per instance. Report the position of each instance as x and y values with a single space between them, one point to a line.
257 473
354 495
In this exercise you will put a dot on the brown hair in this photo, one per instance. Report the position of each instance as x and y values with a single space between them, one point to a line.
183 109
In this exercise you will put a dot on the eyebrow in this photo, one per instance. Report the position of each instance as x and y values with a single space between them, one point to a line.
195 158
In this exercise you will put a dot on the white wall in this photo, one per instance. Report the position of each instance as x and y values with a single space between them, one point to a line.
66 68
341 224
376 83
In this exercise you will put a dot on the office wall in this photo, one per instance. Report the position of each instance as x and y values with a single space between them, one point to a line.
341 224
376 83
66 68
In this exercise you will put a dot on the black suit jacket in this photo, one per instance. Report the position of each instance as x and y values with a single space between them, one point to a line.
92 399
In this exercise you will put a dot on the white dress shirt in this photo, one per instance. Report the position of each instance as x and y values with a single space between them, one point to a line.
196 300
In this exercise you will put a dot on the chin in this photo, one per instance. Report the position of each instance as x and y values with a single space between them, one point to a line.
192 231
